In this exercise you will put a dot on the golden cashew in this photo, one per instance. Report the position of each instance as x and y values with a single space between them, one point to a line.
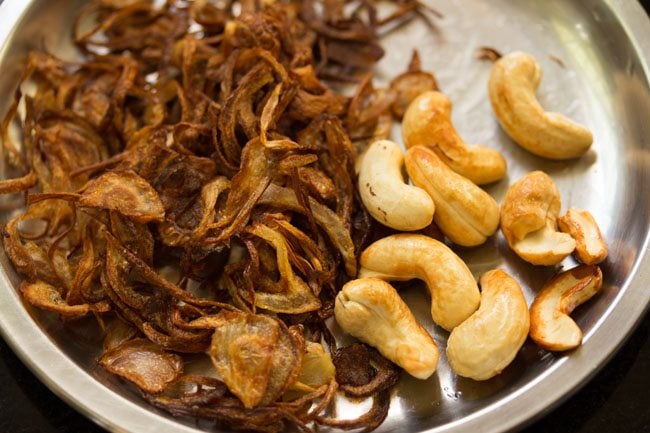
486 343
371 310
529 220
427 122
550 324
465 213
401 257
581 225
512 85
384 193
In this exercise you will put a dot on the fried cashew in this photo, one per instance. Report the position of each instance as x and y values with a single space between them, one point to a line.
486 343
465 213
512 85
384 193
427 122
529 220
581 225
401 257
550 324
371 310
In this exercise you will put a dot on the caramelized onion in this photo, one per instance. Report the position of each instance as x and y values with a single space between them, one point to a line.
190 179
144 363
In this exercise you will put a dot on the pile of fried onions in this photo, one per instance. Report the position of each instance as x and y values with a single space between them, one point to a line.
190 183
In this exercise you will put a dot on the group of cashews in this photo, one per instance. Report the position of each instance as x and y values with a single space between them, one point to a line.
487 327
529 222
434 146
465 213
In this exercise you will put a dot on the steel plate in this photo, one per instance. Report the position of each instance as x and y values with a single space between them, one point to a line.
602 81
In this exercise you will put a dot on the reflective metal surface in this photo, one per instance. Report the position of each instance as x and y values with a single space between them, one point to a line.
602 81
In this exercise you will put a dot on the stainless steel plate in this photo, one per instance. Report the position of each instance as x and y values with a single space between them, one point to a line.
602 81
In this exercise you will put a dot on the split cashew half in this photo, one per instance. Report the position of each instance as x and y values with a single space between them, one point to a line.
427 122
371 310
550 324
581 225
454 293
384 193
529 220
486 343
512 85
465 213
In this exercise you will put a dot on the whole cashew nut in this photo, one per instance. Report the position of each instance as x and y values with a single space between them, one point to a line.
550 324
427 122
581 225
486 343
371 310
512 85
465 213
529 220
384 193
454 293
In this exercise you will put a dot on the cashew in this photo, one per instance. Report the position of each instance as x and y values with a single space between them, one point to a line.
529 220
384 193
371 310
590 245
465 213
454 293
427 122
486 343
512 85
550 324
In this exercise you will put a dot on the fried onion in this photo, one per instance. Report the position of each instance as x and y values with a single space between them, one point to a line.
190 180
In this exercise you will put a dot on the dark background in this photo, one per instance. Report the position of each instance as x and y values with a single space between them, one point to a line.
617 399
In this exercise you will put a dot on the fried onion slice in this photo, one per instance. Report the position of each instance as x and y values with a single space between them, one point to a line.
47 297
143 363
316 370
19 184
328 220
408 85
296 297
124 192
193 173
255 355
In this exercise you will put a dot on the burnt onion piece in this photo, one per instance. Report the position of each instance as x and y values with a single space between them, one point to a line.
362 372
193 185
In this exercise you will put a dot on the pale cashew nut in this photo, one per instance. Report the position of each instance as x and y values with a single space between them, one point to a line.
486 343
529 220
384 193
581 225
465 213
427 122
512 85
371 310
550 324
401 257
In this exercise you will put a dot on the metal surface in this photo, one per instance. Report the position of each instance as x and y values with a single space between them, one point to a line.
602 81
